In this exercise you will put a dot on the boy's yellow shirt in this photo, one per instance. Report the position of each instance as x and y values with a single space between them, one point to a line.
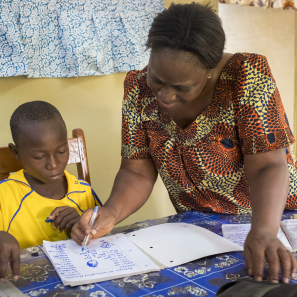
24 213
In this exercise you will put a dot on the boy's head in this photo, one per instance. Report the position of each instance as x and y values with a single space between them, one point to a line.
40 137
32 112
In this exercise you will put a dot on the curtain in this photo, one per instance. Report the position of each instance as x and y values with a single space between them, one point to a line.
65 38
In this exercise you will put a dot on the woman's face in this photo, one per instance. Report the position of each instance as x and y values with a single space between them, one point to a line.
176 78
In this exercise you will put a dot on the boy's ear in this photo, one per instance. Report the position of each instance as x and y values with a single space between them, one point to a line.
14 150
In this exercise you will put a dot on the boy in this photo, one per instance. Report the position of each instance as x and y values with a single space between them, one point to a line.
43 201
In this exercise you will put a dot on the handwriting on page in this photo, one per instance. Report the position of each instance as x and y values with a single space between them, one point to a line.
71 262
290 228
120 261
103 259
64 264
236 233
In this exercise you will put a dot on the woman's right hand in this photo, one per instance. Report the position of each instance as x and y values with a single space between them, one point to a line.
9 252
104 223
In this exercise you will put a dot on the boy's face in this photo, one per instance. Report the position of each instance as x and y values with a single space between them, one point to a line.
43 149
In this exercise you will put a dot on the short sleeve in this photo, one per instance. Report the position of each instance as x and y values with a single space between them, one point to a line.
260 116
134 135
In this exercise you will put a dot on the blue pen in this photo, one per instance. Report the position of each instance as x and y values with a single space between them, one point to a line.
91 225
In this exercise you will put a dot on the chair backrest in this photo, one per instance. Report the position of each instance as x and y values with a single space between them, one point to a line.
77 155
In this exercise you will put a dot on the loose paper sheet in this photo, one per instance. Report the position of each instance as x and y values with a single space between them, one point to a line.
103 259
290 228
237 233
177 243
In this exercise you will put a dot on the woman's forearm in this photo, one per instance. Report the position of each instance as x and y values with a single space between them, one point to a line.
269 186
132 188
269 192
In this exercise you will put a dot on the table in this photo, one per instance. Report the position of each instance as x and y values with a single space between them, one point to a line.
198 278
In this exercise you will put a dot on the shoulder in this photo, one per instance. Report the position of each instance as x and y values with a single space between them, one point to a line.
135 83
251 64
248 58
135 77
14 188
7 183
16 179
76 184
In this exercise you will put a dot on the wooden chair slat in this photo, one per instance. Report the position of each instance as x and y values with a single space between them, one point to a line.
74 156
8 163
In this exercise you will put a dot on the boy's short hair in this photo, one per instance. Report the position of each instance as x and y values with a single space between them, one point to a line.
32 112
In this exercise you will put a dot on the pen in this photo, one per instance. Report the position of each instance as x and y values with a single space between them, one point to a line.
91 225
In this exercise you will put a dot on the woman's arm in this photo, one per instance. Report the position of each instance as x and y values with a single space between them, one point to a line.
268 177
132 187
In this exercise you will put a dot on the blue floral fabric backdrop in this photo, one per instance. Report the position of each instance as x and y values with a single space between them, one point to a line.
64 38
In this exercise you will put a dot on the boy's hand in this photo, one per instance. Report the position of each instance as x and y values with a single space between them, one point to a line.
9 252
64 217
103 224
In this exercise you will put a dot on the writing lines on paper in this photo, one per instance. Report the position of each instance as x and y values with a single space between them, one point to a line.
237 233
290 229
64 265
107 252
103 259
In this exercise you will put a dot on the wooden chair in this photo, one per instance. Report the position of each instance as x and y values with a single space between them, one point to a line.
77 155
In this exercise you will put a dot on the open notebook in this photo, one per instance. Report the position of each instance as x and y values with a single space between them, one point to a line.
142 251
287 233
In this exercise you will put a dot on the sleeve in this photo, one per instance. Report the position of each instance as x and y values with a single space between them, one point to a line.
134 135
91 197
260 116
97 201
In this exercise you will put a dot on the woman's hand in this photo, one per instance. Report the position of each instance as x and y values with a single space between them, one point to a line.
268 177
132 187
9 252
262 245
64 217
104 223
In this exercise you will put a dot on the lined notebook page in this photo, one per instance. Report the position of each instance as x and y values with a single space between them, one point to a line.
237 233
103 259
290 228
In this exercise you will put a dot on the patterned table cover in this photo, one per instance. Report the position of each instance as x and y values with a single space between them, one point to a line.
202 277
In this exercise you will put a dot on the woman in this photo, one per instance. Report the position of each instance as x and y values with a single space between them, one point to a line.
213 126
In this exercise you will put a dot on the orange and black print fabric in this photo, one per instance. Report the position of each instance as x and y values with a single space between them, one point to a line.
202 166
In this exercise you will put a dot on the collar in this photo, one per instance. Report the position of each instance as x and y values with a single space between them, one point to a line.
73 183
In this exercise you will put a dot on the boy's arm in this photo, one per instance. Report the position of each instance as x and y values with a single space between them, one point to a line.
9 252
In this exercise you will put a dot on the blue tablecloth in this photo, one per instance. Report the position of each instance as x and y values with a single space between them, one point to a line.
199 278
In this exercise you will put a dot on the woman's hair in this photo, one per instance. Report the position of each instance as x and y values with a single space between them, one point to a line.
192 28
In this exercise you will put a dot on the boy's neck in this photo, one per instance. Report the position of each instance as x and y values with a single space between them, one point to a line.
55 191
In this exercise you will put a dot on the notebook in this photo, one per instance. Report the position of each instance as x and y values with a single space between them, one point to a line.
142 251
287 233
